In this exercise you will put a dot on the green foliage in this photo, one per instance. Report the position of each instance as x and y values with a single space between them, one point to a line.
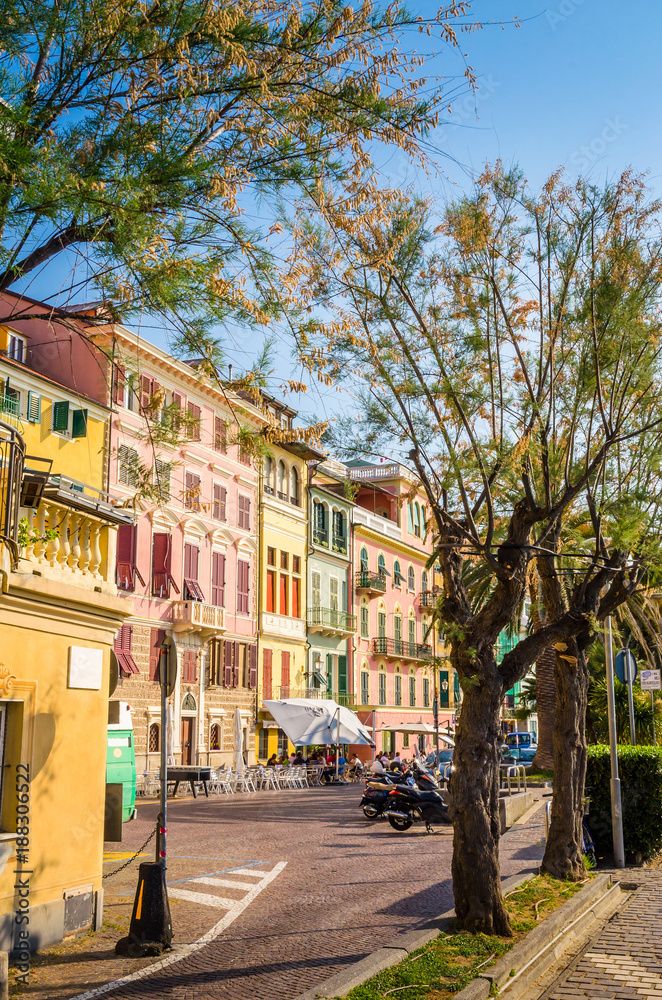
647 717
640 771
28 536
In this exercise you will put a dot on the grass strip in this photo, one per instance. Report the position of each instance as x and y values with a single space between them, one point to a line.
443 968
539 775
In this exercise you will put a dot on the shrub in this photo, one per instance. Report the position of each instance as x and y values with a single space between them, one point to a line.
640 771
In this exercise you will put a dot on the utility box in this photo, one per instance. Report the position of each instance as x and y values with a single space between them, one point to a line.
121 756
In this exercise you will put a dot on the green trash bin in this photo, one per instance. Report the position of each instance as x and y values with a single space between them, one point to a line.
121 759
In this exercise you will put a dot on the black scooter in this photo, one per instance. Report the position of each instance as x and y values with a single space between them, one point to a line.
425 801
377 788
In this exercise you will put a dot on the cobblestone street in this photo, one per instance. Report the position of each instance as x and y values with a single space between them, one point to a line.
346 886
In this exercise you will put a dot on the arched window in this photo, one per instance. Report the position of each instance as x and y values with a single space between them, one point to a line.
411 579
397 634
411 633
424 582
398 578
294 486
417 520
282 480
410 519
269 475
381 564
154 742
397 687
215 737
363 559
188 704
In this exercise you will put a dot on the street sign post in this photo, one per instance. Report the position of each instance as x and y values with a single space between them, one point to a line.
625 666
616 811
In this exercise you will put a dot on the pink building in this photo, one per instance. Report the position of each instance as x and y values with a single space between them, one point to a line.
393 676
189 564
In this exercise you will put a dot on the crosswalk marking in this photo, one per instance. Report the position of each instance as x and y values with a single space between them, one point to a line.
205 898
247 871
225 883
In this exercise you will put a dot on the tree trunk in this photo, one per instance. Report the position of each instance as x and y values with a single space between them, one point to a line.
563 855
545 710
475 809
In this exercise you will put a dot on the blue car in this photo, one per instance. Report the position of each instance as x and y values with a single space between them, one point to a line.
520 747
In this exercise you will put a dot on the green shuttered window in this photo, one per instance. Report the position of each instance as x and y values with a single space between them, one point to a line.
61 417
79 424
34 407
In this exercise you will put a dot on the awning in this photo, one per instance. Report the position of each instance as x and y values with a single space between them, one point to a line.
416 729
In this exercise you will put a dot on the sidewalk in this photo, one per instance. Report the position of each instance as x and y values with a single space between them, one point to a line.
623 961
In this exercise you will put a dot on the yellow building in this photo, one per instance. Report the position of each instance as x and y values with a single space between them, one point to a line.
59 614
283 531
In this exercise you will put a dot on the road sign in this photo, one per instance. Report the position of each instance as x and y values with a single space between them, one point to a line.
435 710
651 680
625 660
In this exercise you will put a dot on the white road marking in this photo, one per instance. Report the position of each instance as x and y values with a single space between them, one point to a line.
183 951
205 898
226 883
245 871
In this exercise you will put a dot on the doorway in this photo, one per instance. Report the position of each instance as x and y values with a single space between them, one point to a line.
187 740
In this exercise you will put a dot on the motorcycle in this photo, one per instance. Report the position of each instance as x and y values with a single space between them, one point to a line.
377 788
425 801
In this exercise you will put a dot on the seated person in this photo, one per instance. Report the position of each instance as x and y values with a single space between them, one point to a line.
355 765
273 760
377 767
299 759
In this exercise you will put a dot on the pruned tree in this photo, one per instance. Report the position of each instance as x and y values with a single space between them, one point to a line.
512 355
138 139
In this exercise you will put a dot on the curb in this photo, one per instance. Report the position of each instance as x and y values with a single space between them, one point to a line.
528 959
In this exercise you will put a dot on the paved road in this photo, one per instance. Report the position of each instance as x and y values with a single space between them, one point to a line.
346 886
624 959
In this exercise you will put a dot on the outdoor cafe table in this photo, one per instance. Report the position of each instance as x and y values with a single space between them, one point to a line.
191 774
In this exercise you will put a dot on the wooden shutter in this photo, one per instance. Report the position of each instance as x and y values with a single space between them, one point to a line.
120 383
244 512
157 635
145 391
252 665
79 424
61 417
34 407
342 674
216 663
267 675
161 562
239 650
191 557
295 609
284 674
189 666
242 587
193 430
122 646
218 579
220 498
126 555
220 435
192 499
228 672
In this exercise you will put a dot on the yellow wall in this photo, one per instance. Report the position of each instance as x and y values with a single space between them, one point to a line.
81 458
58 731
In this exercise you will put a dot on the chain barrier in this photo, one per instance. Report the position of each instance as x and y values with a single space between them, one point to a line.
131 859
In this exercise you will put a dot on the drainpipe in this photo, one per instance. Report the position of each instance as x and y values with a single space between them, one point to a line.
258 631
110 419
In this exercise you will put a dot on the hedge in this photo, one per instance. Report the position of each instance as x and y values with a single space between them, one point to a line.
640 771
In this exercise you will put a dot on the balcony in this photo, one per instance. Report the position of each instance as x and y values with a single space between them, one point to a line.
370 583
375 522
68 539
428 598
276 692
196 616
283 626
321 537
331 622
399 649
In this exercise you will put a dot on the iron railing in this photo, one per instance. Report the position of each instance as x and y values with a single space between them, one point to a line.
329 618
365 580
401 649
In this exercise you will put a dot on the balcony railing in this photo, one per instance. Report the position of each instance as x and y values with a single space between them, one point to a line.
373 583
276 692
196 616
399 649
330 620
427 599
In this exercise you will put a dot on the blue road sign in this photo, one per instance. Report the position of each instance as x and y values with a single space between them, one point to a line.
625 660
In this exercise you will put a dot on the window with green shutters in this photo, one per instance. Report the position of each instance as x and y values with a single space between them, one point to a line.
398 689
444 689
61 417
342 675
79 424
457 694
412 630
426 692
365 687
316 588
381 624
364 622
397 633
412 691
34 407
382 689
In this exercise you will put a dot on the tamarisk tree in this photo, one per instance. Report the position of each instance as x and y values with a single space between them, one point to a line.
138 138
510 353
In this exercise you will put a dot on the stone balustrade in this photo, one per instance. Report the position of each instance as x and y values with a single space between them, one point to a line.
69 545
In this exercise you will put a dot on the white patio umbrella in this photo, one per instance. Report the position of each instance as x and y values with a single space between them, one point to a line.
415 728
238 741
306 721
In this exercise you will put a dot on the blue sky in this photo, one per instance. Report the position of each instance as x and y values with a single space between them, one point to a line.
577 84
